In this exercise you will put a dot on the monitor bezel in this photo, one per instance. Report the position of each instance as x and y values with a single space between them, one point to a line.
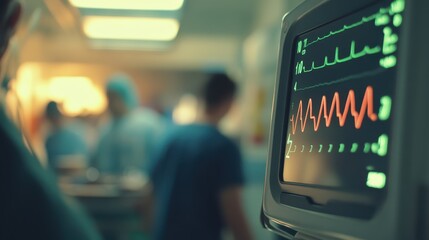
402 213
352 204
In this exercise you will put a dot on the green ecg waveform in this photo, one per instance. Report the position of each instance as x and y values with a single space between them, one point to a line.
341 80
396 7
300 67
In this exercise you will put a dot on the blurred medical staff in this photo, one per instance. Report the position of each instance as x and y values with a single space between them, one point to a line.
126 144
64 147
198 177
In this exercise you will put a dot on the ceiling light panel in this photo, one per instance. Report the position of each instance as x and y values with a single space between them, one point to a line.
150 5
130 28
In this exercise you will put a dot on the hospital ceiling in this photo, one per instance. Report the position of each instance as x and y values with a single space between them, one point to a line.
211 34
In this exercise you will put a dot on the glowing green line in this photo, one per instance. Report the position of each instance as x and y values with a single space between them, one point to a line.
345 79
330 147
320 149
364 20
353 55
346 27
337 58
311 148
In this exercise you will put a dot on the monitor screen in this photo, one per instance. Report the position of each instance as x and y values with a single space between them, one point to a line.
340 103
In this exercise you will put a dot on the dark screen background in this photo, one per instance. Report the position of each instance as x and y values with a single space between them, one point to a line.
355 53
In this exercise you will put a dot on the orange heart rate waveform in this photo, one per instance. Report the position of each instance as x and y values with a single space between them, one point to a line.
367 109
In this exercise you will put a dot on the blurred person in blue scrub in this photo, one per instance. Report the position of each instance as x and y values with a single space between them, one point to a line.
31 204
198 177
64 147
126 144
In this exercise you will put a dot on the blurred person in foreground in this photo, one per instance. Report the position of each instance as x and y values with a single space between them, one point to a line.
32 206
126 144
65 149
198 178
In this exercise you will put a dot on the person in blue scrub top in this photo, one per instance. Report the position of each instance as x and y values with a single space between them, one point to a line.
198 176
126 144
63 144
31 205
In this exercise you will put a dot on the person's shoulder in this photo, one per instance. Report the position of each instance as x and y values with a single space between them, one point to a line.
179 131
216 138
189 133
217 134
195 133
224 144
199 130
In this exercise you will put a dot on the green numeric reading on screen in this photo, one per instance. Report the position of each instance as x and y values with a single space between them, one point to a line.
379 147
381 19
343 77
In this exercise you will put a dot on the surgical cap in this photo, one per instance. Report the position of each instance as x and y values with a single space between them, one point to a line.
122 85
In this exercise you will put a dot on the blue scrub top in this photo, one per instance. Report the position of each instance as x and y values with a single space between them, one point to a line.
64 142
194 164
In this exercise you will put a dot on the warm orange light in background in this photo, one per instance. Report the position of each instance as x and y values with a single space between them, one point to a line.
77 95
151 5
186 110
37 83
130 28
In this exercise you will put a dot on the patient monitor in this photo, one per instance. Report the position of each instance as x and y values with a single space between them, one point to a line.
349 141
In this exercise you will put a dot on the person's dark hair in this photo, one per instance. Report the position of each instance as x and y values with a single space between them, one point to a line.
52 111
218 89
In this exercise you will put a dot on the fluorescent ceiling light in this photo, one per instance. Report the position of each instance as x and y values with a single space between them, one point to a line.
130 28
167 5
